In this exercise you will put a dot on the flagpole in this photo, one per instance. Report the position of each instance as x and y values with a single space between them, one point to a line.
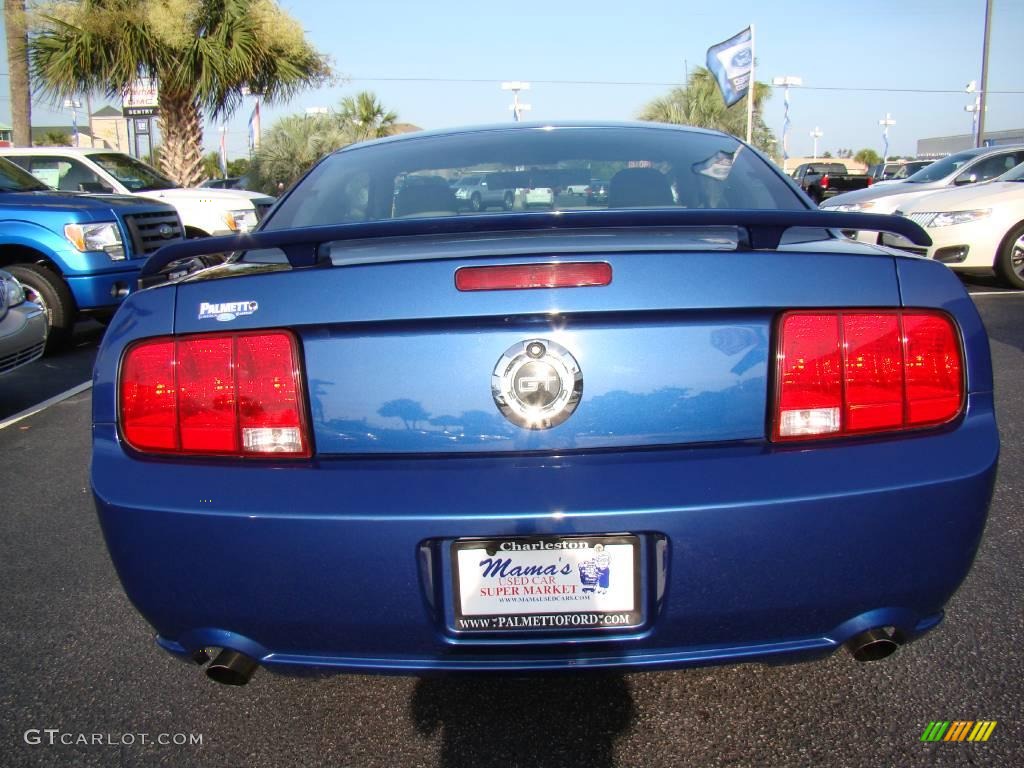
751 84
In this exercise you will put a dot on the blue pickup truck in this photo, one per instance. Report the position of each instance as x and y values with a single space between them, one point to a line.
76 254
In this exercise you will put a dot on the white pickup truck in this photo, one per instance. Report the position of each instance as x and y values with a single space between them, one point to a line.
102 171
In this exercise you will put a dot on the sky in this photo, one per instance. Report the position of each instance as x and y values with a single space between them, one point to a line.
441 64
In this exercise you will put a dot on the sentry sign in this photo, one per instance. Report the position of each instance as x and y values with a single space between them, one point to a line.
140 99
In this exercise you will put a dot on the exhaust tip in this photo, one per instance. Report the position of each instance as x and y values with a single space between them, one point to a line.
872 645
232 668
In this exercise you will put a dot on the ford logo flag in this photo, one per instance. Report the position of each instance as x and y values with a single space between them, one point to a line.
730 62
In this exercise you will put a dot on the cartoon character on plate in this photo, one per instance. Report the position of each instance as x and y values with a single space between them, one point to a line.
594 573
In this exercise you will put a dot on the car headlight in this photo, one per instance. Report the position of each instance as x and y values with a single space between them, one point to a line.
949 218
12 288
241 220
104 236
461 193
867 205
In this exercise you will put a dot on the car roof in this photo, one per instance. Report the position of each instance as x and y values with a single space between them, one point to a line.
532 126
60 150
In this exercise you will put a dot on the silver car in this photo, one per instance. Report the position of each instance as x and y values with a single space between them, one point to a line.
968 167
22 326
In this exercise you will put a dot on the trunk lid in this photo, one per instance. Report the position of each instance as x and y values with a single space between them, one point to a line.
676 350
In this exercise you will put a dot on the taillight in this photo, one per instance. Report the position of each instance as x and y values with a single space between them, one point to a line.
223 394
522 276
860 372
824 182
871 180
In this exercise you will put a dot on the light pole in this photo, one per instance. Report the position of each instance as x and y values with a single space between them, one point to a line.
885 122
517 109
74 105
786 81
974 109
980 138
816 134
223 151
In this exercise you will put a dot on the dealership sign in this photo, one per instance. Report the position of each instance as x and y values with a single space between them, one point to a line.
140 99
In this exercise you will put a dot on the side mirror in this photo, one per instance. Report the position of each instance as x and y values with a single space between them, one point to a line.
959 181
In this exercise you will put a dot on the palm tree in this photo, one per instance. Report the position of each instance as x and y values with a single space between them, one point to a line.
292 146
203 53
699 103
17 68
55 138
868 157
365 117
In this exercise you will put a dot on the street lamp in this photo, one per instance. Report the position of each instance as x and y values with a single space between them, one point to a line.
885 122
816 134
786 81
74 105
517 109
974 109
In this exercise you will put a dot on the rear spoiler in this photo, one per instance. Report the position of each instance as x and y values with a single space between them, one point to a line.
764 228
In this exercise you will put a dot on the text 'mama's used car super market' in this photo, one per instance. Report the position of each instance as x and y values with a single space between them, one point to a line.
690 426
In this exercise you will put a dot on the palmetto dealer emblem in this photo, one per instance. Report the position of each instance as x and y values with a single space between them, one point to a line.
537 384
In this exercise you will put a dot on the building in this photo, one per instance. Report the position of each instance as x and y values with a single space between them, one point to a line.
947 145
110 129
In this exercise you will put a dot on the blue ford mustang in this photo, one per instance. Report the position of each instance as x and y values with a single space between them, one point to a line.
691 425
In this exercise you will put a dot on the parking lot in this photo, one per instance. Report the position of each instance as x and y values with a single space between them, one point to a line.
78 661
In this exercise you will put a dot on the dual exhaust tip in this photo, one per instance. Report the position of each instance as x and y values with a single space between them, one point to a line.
230 667
236 668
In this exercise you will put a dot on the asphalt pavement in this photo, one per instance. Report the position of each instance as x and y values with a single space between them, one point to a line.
78 664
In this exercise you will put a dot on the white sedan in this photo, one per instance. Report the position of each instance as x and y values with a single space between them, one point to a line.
974 229
539 196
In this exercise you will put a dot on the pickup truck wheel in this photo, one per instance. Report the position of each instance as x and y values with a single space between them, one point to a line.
48 290
508 202
1010 262
475 202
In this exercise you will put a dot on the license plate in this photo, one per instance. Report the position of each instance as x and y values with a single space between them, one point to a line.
546 583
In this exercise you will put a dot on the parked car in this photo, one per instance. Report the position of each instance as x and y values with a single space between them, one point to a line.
635 438
597 192
203 211
481 191
957 170
77 254
824 180
978 228
896 169
539 196
883 171
22 326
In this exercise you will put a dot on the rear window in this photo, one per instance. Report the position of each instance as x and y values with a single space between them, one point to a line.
532 168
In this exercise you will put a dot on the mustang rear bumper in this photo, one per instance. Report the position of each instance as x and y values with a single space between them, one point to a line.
749 551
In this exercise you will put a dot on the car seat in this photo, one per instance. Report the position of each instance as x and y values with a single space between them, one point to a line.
639 187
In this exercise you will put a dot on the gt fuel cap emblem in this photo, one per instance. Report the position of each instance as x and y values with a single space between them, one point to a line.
537 384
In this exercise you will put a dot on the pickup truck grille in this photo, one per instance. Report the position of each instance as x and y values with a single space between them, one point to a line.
150 231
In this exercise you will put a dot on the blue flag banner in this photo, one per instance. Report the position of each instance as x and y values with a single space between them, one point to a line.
730 62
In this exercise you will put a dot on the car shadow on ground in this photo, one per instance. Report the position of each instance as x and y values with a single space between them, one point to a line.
495 720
